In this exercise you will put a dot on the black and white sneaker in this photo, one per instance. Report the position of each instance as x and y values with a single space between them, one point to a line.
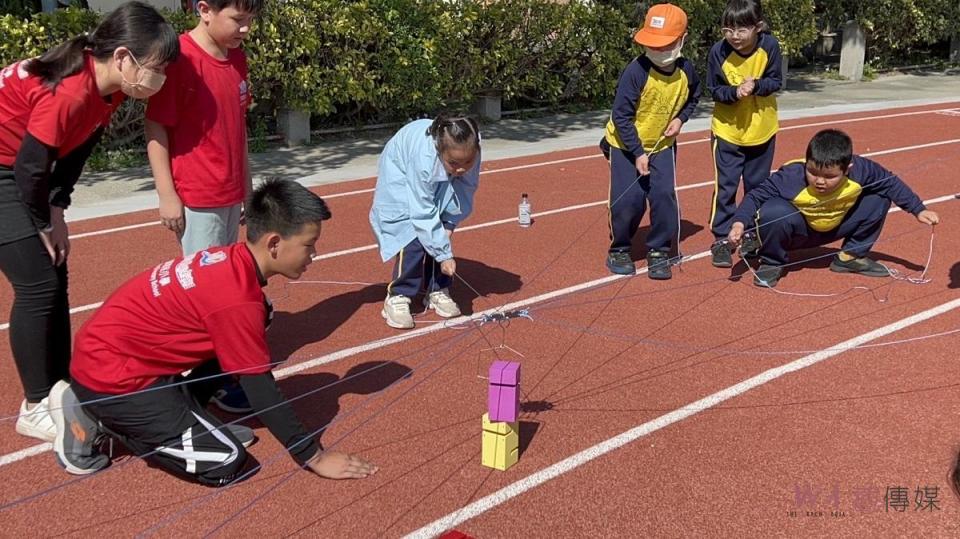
77 443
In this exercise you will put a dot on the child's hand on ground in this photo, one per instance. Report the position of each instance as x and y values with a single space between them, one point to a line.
673 128
336 465
449 231
735 235
171 213
448 267
928 217
643 165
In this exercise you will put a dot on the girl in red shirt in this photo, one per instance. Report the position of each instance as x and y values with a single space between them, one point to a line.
53 111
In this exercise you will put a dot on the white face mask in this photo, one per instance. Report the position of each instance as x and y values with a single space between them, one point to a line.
665 58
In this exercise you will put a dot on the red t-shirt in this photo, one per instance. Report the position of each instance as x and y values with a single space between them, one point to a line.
174 317
62 119
204 104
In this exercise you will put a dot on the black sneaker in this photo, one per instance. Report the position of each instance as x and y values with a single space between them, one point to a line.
767 275
862 265
231 398
722 257
658 265
76 445
749 246
619 262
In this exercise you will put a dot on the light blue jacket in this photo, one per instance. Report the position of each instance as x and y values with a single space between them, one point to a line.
415 198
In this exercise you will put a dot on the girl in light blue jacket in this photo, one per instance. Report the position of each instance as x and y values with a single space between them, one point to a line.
428 174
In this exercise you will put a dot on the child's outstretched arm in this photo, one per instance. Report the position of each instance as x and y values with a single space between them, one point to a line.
276 413
876 179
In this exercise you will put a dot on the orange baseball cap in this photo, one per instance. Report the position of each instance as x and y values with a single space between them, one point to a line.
664 24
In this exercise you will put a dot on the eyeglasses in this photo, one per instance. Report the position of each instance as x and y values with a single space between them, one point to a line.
738 32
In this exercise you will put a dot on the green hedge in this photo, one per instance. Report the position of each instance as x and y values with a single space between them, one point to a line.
896 28
389 59
360 61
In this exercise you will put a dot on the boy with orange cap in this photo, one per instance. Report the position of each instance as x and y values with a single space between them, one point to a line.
656 95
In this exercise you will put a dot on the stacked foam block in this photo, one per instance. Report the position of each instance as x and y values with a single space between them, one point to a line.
501 434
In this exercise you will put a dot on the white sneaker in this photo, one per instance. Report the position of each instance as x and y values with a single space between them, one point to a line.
37 423
441 302
396 311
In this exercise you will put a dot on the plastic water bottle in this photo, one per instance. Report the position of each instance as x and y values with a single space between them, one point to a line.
524 217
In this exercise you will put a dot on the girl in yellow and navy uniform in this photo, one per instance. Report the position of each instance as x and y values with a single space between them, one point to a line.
656 95
831 195
744 73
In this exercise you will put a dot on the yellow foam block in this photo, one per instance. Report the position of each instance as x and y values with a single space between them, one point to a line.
501 443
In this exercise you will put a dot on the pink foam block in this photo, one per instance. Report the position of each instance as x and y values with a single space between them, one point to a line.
505 373
503 403
503 394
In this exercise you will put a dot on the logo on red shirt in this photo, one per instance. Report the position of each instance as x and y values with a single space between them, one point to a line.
244 93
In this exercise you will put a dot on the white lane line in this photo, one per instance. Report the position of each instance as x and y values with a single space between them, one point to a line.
503 221
591 453
373 345
112 230
33 450
553 162
284 372
371 247
852 120
75 310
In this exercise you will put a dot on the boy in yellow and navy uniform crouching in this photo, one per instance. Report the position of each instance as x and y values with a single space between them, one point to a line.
832 195
656 94
743 74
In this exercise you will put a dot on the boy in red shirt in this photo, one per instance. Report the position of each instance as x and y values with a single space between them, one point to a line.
197 138
196 129
206 313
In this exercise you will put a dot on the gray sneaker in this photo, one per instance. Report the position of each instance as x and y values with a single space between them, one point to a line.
244 435
76 444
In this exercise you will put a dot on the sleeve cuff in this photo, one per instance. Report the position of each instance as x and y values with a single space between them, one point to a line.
304 452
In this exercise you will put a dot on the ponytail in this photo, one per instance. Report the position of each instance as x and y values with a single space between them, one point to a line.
136 26
458 130
59 62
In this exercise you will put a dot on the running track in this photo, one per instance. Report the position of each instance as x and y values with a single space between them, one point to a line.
698 406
